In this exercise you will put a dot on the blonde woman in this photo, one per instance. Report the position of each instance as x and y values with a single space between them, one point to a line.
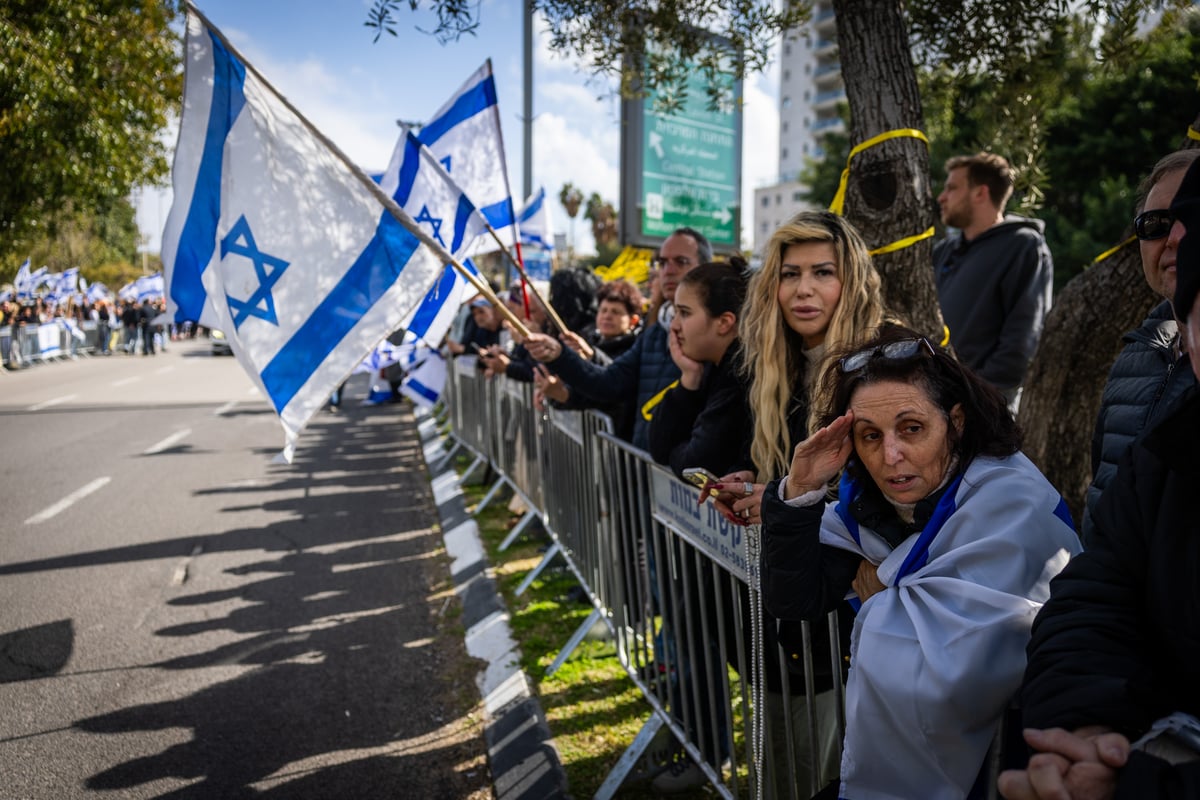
817 291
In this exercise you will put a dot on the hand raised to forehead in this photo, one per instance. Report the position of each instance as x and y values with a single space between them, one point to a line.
820 457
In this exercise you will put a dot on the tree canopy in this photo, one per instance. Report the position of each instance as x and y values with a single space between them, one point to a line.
86 89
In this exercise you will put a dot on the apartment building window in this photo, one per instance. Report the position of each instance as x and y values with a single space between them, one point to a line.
787 102
785 126
766 201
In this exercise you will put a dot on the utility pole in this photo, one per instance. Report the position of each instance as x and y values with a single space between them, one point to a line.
528 103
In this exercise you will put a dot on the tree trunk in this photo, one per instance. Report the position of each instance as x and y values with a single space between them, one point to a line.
1064 383
888 196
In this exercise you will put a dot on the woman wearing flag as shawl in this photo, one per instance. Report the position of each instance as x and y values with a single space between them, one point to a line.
946 534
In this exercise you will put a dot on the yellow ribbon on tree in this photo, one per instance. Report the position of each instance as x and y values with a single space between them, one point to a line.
902 243
1193 133
839 199
1112 250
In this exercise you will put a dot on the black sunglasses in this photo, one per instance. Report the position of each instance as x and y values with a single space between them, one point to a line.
893 352
1154 224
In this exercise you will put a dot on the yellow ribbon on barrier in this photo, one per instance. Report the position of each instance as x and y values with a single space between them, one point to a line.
1193 133
945 336
648 408
839 199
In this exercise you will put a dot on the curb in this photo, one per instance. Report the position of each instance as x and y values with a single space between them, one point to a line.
521 753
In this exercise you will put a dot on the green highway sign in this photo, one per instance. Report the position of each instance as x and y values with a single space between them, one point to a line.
690 166
682 169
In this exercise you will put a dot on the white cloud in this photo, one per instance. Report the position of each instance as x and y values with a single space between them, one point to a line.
760 146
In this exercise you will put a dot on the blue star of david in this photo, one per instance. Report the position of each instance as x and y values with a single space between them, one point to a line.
240 241
434 222
445 162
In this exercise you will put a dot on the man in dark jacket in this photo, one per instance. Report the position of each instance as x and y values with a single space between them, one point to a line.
646 370
994 276
1115 649
1150 373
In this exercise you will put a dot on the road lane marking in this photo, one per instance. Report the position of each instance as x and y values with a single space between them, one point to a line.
54 402
124 381
227 407
174 438
68 501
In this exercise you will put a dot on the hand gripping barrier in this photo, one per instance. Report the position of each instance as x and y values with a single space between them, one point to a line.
676 585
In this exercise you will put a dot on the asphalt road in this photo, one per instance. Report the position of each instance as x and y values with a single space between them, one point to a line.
179 617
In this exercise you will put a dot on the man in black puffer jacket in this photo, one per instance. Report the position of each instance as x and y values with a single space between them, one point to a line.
646 370
1149 374
1116 647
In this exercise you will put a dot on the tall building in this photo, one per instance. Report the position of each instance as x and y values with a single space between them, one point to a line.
810 88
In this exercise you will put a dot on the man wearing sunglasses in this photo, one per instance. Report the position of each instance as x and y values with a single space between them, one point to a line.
1148 374
994 276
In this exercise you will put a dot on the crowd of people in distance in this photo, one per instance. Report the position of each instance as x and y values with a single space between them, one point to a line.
884 465
125 326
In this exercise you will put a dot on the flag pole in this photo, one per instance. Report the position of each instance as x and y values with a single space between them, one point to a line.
390 204
562 326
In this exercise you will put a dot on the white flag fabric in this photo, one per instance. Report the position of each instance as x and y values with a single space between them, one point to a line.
149 287
537 229
23 283
465 136
425 382
128 291
275 239
97 291
419 183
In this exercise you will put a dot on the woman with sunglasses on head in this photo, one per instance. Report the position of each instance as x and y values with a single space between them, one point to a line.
817 290
1150 372
945 533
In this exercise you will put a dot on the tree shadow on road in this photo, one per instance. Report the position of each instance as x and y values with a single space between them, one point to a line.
346 675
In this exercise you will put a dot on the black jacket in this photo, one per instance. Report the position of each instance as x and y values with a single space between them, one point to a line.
709 427
1145 379
1118 643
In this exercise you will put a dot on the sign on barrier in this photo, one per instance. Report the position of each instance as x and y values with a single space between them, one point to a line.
676 506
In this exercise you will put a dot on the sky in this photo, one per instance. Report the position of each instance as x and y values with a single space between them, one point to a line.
320 56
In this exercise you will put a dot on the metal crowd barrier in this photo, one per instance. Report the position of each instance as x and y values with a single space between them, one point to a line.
46 341
672 580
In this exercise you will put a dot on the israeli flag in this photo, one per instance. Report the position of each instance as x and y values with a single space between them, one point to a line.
425 382
419 183
128 292
97 291
465 137
22 284
277 240
149 287
68 282
536 230
32 282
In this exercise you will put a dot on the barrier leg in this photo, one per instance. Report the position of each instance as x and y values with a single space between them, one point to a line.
517 530
447 458
491 493
469 471
629 759
573 642
553 551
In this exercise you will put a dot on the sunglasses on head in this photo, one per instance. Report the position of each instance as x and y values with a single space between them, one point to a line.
893 352
1153 224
